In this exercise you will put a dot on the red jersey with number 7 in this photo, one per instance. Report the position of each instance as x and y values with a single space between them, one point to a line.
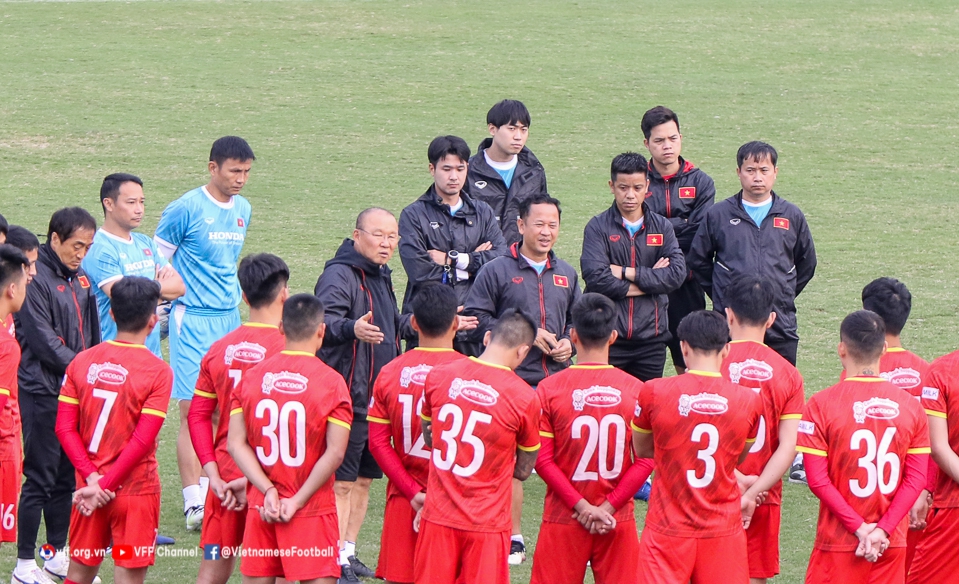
113 384
700 424
481 414
286 402
866 427
398 402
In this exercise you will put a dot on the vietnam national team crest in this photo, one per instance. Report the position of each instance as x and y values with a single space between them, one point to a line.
654 239
561 281
284 382
600 396
107 373
84 282
751 369
877 408
239 222
902 377
416 374
781 223
473 391
687 193
710 404
244 352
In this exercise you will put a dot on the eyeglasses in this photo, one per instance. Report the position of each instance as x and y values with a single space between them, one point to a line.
390 238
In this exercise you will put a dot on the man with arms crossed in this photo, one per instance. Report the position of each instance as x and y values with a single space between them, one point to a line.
202 233
481 421
394 415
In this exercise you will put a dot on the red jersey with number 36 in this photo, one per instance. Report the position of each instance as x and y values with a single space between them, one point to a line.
222 369
586 411
865 426
481 414
286 402
700 424
940 398
113 384
398 401
780 386
10 445
901 368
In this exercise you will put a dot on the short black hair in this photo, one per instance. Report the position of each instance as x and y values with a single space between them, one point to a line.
262 276
594 318
22 238
506 112
864 334
628 163
3 225
302 316
68 220
229 147
541 199
887 297
362 216
110 189
750 298
133 300
443 146
657 116
756 151
434 307
704 330
514 328
12 264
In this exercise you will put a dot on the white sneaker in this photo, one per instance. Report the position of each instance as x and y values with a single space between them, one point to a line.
34 576
57 574
194 518
517 553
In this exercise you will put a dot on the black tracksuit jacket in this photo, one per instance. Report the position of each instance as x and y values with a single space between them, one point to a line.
683 199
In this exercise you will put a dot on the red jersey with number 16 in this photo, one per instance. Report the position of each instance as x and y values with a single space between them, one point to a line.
10 445
481 413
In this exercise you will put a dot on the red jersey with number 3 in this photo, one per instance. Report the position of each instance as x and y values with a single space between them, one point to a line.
901 368
700 424
222 369
10 445
586 411
398 401
481 414
286 402
940 398
780 386
866 427
113 384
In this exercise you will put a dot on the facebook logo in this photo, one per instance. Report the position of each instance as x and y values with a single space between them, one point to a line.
211 551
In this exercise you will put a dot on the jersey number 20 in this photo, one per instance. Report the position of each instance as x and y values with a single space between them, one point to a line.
598 433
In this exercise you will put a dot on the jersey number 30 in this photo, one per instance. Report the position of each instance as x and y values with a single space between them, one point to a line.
277 432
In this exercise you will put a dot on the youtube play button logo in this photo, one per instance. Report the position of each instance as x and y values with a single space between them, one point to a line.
122 552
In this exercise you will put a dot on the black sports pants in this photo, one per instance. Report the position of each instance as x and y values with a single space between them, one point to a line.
687 298
643 361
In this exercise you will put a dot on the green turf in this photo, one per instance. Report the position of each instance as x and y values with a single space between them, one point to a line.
340 99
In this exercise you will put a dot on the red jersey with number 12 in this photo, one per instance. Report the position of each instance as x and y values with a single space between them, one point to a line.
10 445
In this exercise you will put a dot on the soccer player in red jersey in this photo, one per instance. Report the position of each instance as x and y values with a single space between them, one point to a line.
112 404
697 427
395 407
586 459
752 364
481 420
289 427
263 280
866 447
13 290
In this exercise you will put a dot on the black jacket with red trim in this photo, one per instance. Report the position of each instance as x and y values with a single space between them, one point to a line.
510 282
350 286
683 198
606 241
59 319
780 250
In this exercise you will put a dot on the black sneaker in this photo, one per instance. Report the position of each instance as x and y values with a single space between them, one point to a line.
797 474
360 569
347 576
517 553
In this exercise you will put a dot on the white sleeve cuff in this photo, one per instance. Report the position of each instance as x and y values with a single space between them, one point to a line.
462 261
165 247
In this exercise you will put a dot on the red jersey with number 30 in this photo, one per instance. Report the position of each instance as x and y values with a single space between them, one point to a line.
481 413
398 401
780 386
222 369
700 424
901 368
586 411
10 446
113 384
286 402
940 398
865 426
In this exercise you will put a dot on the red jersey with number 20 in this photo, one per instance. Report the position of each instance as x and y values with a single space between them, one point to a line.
481 414
700 424
865 426
114 384
10 445
222 369
586 411
398 401
286 402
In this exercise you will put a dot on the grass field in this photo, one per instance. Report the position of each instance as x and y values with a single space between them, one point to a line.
340 99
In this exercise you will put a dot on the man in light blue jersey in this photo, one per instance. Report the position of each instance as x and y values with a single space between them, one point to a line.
118 251
202 233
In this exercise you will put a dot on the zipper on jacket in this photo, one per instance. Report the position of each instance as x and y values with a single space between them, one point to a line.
668 196
369 295
542 316
632 264
76 303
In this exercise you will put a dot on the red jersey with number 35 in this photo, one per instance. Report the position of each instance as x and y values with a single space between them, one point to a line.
222 369
10 445
398 401
780 386
113 384
901 368
586 411
286 402
940 398
700 424
481 414
865 426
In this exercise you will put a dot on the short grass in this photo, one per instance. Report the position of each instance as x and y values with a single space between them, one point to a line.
340 99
